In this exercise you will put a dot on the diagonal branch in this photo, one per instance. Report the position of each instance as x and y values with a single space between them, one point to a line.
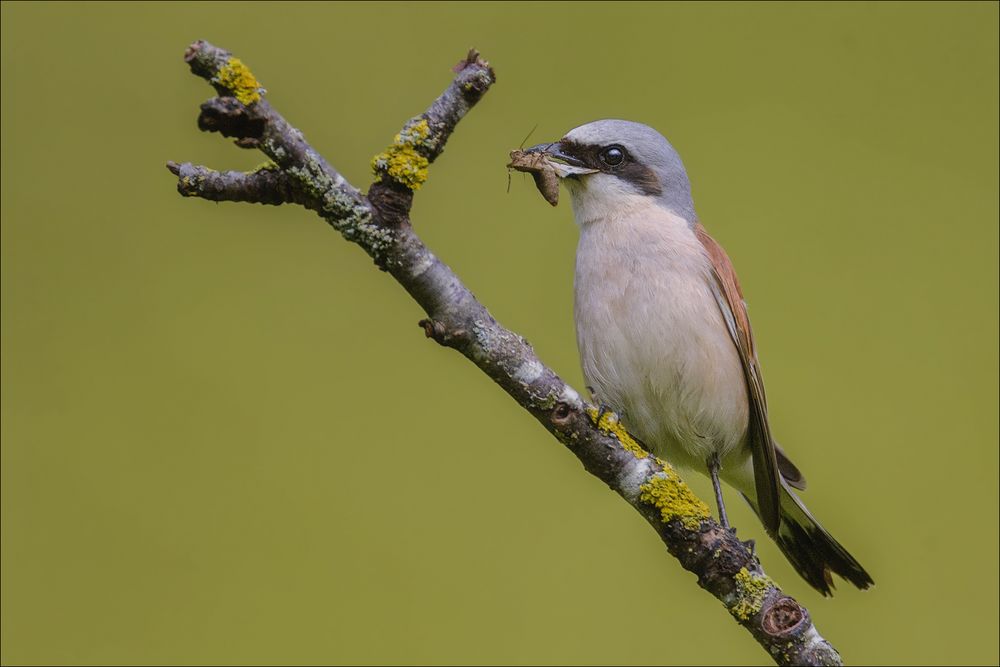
379 223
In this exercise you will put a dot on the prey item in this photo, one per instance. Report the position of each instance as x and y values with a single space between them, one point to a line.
545 171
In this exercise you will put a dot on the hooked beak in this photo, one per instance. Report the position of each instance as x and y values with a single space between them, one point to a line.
555 150
564 163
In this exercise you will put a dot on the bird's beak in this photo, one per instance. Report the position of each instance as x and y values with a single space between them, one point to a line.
563 163
555 150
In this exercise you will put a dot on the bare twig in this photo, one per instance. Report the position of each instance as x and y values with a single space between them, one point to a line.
379 223
265 185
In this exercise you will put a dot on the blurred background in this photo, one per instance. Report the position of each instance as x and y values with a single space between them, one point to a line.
225 439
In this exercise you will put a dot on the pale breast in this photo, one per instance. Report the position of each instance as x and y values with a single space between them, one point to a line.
652 341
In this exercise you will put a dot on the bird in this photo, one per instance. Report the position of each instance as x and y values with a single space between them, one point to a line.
664 336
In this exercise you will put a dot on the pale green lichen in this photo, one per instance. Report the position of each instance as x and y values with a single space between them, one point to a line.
751 590
402 161
318 184
271 147
668 493
608 423
375 238
237 79
344 213
548 401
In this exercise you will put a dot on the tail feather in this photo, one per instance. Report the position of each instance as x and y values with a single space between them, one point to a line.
811 550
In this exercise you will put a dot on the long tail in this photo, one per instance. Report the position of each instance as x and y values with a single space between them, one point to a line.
813 551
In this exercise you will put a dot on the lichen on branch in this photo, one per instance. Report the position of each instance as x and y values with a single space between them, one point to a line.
403 161
751 591
668 493
237 79
608 422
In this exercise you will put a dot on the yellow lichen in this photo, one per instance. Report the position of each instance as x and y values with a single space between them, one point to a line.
414 133
403 164
668 493
608 423
401 161
269 165
237 78
750 593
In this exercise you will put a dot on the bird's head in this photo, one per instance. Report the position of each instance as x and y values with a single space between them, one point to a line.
609 164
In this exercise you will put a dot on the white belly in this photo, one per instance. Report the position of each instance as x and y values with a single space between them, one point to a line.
652 341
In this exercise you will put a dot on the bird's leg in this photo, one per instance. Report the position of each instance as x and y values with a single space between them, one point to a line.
713 470
602 408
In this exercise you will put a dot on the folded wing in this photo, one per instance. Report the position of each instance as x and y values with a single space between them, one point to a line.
734 312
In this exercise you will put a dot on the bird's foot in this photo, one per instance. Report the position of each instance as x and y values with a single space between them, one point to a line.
607 411
603 409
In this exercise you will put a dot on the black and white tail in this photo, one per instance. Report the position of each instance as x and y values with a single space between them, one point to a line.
813 551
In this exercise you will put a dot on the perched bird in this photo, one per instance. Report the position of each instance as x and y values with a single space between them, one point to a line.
664 336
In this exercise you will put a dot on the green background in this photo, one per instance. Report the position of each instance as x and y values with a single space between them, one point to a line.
226 440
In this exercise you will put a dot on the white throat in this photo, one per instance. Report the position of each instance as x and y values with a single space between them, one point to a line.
603 198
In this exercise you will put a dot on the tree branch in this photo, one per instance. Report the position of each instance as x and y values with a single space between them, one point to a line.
265 185
379 223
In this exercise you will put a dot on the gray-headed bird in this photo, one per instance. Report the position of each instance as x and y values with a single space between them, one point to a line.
664 336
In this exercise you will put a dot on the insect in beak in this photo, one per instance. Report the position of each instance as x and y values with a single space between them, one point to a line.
547 163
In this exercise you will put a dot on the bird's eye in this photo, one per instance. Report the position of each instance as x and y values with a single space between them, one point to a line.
612 156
